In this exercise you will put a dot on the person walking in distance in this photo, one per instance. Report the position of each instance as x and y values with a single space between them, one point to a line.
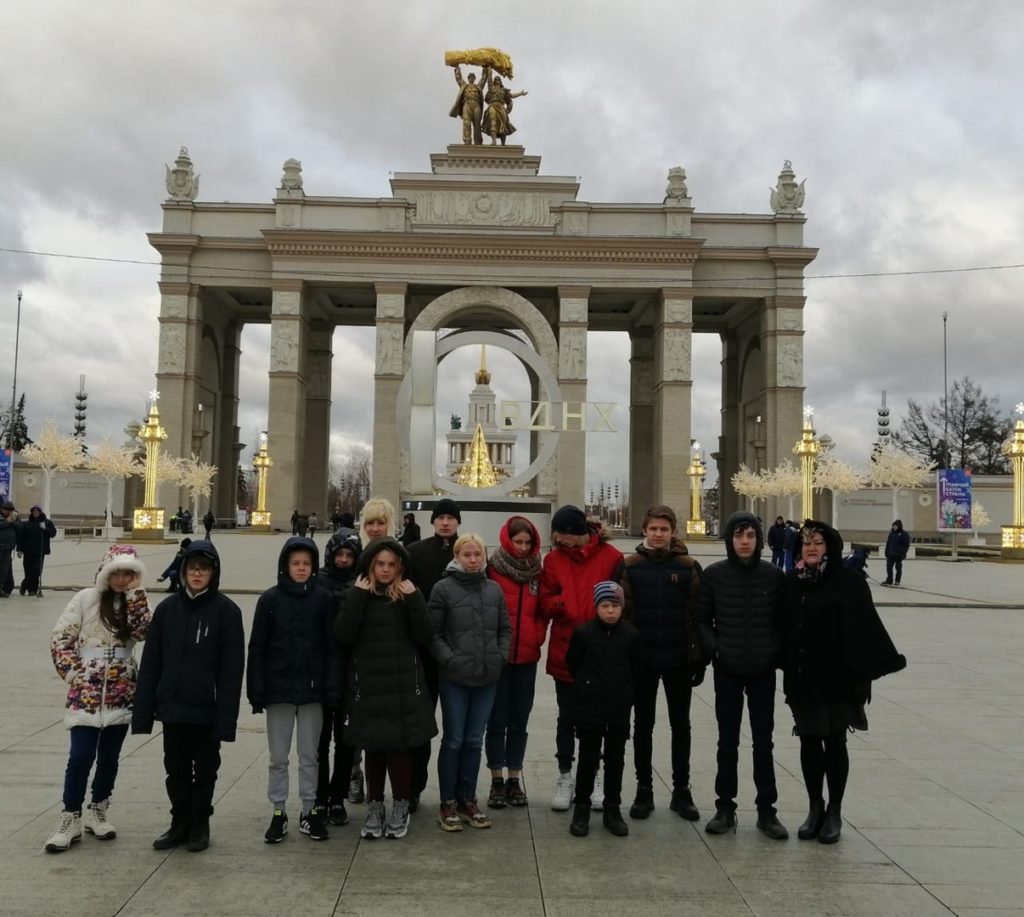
34 545
897 546
738 620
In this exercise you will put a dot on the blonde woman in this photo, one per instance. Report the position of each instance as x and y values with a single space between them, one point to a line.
376 520
383 624
471 643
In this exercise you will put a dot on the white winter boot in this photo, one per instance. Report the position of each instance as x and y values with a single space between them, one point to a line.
95 821
68 832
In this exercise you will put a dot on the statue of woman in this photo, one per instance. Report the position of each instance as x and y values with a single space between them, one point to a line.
499 103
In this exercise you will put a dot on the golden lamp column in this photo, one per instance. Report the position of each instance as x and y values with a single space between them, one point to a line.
1013 535
697 471
262 463
808 449
148 520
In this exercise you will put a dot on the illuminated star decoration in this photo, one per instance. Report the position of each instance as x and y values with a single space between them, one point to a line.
154 396
145 519
808 412
696 448
1020 408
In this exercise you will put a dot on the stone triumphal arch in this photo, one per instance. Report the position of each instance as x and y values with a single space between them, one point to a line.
483 241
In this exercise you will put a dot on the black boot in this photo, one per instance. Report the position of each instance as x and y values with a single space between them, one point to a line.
643 804
768 824
812 824
682 804
724 820
580 824
612 818
173 836
831 827
198 834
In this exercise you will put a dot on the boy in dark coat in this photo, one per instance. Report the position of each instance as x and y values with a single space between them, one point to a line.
191 680
293 671
332 786
897 546
604 658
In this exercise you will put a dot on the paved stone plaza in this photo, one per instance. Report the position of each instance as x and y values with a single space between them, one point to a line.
934 811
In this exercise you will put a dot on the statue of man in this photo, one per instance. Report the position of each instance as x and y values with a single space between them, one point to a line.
469 105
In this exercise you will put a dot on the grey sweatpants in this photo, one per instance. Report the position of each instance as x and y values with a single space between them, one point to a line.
281 719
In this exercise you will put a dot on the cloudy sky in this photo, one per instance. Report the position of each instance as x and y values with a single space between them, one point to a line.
904 119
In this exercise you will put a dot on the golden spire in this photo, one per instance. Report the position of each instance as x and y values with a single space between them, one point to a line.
477 470
483 377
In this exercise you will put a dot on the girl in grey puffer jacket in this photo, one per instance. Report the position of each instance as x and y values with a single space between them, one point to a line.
471 643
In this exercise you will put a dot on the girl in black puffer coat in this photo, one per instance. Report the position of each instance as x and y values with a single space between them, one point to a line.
383 625
833 645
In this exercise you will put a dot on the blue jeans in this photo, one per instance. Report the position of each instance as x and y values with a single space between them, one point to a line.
464 712
89 744
506 730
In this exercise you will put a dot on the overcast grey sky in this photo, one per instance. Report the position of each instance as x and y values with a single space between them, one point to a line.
904 118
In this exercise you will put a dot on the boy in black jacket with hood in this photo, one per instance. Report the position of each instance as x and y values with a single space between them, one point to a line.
191 679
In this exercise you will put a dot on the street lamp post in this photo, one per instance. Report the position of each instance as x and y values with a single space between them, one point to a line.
262 463
808 449
945 396
148 520
695 525
1013 534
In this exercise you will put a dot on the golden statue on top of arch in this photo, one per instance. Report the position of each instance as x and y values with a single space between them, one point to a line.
484 106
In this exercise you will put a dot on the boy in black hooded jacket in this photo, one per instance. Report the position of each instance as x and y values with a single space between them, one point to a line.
191 679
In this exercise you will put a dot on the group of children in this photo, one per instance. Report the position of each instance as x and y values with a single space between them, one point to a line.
336 654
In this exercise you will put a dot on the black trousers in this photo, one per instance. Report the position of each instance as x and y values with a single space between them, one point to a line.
760 691
33 565
893 565
678 692
332 783
421 754
191 761
591 739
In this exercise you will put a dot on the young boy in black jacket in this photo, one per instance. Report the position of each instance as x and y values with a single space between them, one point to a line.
604 658
191 680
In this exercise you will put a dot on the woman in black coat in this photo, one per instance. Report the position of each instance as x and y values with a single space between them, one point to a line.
383 624
833 645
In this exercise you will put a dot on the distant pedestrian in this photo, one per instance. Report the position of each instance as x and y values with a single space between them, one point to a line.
172 573
897 546
209 521
10 529
295 522
92 648
191 680
777 541
833 645
410 530
314 524
34 545
604 659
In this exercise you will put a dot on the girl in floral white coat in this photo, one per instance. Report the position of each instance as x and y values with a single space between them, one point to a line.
92 648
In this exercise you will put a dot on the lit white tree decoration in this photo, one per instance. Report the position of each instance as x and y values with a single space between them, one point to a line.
839 477
53 452
113 462
196 477
168 471
784 480
750 484
898 470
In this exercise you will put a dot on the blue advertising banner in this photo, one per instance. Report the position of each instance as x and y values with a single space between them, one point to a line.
5 474
954 500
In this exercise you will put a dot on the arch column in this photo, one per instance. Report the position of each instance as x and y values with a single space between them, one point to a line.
571 456
782 339
641 424
673 333
225 433
286 421
387 378
316 449
178 369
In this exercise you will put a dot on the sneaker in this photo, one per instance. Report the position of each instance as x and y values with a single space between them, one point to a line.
95 821
278 828
682 804
356 793
497 798
448 817
336 814
564 788
313 824
597 796
470 813
515 794
373 824
69 831
398 823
